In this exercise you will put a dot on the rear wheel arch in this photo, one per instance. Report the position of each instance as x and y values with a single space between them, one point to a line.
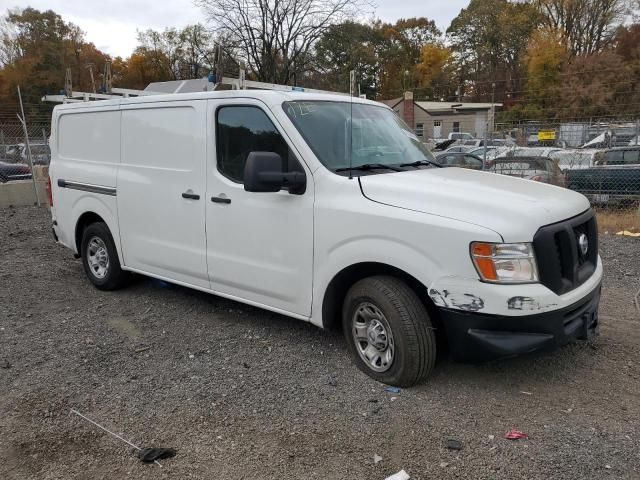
86 219
339 285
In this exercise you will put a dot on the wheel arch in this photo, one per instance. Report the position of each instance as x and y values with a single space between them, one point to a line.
337 288
86 219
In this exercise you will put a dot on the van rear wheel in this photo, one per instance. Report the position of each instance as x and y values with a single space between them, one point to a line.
100 258
388 331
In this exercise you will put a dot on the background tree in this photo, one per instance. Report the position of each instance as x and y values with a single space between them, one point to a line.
275 39
400 53
345 47
436 71
588 25
489 40
36 48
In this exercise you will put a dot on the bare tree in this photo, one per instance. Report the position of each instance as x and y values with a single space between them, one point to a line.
588 25
275 37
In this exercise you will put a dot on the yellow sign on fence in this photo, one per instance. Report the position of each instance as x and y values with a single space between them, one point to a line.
546 135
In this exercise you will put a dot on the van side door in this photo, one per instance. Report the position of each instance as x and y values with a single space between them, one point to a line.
161 190
259 245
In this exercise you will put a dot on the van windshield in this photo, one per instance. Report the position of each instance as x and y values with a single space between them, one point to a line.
376 134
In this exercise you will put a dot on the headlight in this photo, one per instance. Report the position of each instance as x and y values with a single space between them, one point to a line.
505 262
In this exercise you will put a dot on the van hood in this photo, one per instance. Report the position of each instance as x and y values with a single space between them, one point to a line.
512 207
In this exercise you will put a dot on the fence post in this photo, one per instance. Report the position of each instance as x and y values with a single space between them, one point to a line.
4 147
23 120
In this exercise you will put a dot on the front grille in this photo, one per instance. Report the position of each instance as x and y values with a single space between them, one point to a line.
561 264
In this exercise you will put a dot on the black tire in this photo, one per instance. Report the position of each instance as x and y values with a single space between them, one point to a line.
412 333
113 276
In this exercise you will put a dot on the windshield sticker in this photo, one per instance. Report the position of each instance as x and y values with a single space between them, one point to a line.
411 135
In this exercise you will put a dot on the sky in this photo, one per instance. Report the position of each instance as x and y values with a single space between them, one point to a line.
112 24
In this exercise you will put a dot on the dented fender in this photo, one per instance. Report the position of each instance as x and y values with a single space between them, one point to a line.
473 296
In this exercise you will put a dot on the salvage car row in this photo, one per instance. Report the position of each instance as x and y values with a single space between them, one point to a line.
604 176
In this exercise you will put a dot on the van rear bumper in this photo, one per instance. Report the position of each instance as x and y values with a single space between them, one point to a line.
476 337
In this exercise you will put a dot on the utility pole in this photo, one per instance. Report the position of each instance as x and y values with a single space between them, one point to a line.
28 147
93 82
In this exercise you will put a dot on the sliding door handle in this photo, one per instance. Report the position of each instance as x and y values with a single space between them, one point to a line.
191 196
220 200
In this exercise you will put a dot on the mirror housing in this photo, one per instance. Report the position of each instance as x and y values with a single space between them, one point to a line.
263 173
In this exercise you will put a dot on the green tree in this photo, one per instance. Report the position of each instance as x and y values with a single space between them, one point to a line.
488 40
36 47
345 47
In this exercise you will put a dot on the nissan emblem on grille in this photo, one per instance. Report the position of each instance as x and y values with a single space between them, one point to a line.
583 243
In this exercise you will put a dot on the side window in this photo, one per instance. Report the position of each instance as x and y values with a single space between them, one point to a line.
241 130
420 129
614 157
456 127
632 156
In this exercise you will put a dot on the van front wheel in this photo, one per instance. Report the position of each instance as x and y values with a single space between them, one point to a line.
388 331
100 258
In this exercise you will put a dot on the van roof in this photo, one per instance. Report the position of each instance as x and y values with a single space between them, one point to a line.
270 97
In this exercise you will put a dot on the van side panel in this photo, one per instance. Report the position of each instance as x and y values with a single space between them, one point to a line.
163 159
84 167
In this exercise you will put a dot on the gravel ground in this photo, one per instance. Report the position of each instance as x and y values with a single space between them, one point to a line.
243 393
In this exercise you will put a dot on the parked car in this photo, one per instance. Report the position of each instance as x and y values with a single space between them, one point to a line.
614 178
571 159
40 154
529 151
539 169
328 210
460 136
462 160
459 149
14 171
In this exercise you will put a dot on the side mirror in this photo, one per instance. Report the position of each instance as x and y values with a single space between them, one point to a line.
263 173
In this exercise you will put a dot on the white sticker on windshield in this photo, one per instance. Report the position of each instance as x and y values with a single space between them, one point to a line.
411 135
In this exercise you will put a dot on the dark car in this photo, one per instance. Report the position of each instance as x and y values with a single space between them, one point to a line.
614 177
462 160
14 171
539 169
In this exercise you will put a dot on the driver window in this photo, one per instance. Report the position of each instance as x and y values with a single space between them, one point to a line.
241 130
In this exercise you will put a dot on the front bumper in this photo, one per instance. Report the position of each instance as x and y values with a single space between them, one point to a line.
475 337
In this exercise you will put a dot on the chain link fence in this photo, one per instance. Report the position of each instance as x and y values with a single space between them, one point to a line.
16 158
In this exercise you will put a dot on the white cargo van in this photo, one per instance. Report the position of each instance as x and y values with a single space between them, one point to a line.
329 211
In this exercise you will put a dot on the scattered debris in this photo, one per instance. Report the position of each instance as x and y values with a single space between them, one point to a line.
377 459
444 464
491 437
454 444
627 233
608 467
373 400
514 434
401 475
5 364
333 382
526 393
152 454
147 455
393 399
392 389
246 365
142 349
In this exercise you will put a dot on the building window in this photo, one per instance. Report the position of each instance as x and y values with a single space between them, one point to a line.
456 126
420 129
437 123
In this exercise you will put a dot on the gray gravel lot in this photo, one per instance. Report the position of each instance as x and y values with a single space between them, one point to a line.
243 393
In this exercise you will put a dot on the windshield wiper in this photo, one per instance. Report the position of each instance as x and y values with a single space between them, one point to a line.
421 162
369 166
